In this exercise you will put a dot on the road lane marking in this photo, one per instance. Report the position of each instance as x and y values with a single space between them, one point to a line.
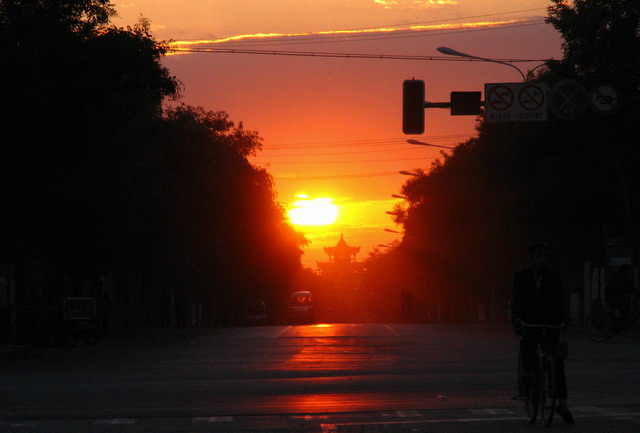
631 419
282 332
213 419
492 411
393 331
587 409
116 421
408 413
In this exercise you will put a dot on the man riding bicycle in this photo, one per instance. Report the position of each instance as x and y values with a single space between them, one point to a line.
538 299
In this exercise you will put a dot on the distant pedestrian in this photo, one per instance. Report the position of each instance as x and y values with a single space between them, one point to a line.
618 294
103 307
406 300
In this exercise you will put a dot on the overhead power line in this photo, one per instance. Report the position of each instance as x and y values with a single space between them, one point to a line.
367 142
370 35
338 176
351 161
359 152
303 37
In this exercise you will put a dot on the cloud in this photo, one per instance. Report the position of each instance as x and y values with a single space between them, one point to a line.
354 34
414 4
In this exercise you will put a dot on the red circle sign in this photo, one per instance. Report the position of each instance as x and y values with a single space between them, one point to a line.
531 97
500 98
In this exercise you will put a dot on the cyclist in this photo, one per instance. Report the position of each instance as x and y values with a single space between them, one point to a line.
538 298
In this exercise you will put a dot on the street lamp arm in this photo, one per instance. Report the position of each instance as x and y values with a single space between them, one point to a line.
451 52
393 231
409 173
422 143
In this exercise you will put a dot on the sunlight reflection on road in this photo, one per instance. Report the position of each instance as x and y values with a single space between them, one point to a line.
325 347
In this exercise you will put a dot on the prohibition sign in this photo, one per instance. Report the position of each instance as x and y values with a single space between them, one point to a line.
531 97
568 99
604 98
500 98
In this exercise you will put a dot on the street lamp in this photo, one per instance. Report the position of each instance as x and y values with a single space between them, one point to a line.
451 52
409 173
393 231
422 143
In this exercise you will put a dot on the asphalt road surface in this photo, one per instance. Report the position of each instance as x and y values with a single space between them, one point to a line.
320 378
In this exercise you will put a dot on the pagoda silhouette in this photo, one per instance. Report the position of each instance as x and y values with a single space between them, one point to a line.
342 260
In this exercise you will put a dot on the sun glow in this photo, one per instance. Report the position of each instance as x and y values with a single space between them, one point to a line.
313 212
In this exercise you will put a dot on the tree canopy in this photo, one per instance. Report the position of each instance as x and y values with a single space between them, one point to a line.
98 176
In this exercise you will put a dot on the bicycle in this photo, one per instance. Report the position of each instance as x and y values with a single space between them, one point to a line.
541 390
604 322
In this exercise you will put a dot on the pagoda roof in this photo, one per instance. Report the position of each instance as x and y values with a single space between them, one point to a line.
341 247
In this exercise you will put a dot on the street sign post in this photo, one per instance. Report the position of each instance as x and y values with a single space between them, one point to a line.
515 102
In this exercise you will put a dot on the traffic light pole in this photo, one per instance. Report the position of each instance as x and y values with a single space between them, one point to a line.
437 104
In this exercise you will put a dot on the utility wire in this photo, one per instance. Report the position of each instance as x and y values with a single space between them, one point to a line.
339 176
347 153
343 162
209 49
370 141
383 26
382 34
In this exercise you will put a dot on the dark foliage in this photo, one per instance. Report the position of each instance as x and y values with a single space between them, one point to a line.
98 179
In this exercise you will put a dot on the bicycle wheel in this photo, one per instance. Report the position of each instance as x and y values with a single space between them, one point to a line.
548 390
530 393
635 324
600 327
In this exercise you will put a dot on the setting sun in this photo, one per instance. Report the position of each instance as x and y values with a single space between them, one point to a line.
313 212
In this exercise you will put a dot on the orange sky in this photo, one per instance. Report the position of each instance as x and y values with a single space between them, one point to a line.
332 126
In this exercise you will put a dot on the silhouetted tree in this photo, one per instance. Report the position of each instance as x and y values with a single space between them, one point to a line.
95 176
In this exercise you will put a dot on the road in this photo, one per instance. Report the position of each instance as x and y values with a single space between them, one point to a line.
320 378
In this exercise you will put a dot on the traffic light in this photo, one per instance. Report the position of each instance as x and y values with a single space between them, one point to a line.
465 103
413 107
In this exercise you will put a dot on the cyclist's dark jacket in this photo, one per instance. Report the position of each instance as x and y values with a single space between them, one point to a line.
544 306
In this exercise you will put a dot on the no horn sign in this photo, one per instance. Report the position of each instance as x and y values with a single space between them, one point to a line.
515 102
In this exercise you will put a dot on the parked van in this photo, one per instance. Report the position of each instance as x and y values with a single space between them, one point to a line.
301 308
